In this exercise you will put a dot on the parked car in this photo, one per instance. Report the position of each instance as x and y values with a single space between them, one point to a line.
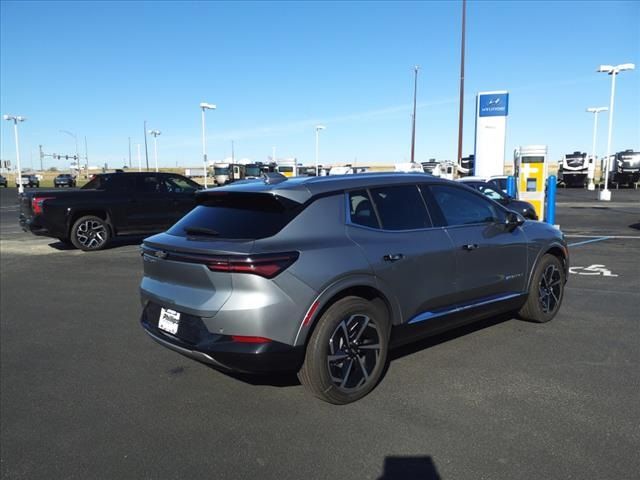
64 180
3 181
110 204
322 275
493 191
500 181
28 181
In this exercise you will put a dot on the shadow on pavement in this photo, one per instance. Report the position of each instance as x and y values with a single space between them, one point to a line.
409 468
437 339
121 241
291 379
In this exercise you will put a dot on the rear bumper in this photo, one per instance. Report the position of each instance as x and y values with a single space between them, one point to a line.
195 341
34 226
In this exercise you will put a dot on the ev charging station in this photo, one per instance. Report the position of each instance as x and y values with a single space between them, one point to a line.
531 167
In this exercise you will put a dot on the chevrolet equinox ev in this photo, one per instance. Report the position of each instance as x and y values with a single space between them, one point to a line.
323 275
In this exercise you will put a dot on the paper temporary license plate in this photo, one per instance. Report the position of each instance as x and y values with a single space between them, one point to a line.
169 320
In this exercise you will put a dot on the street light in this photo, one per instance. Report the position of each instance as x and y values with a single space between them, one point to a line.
595 111
318 128
205 106
612 70
77 151
15 119
155 134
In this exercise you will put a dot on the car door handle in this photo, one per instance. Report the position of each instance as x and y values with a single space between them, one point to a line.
394 257
470 246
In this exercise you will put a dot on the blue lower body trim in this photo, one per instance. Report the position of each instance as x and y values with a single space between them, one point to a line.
441 312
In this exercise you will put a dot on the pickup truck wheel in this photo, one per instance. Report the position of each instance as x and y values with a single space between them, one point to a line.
90 233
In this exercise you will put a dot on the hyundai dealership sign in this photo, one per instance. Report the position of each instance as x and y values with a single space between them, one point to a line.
492 109
494 105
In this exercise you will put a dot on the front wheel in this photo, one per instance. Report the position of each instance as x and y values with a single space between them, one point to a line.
347 352
90 233
546 291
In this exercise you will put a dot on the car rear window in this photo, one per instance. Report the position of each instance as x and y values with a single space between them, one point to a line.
237 216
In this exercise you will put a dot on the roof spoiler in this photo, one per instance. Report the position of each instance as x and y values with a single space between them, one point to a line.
272 178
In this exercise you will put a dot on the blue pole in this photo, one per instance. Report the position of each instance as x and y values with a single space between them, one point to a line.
511 186
551 200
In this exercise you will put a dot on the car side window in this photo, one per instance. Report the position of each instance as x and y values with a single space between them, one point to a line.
120 183
401 207
147 184
361 209
178 184
463 207
491 193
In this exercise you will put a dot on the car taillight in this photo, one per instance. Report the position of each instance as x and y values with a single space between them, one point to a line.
244 339
36 204
266 265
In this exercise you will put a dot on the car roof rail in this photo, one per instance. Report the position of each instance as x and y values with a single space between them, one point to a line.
271 178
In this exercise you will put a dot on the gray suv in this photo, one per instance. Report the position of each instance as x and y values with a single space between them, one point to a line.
322 275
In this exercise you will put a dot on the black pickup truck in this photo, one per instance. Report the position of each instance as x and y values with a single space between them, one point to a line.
110 204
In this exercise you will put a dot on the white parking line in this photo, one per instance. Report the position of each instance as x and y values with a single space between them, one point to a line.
612 237
599 239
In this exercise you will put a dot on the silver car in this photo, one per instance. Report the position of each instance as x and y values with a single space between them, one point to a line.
323 275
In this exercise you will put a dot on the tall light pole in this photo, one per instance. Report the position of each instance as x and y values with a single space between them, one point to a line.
129 152
155 134
413 126
75 137
86 158
146 149
461 107
205 106
594 155
612 70
318 128
15 119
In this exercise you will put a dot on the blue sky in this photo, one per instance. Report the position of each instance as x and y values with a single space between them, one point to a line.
276 69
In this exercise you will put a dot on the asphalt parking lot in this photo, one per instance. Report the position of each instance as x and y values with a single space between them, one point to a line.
86 394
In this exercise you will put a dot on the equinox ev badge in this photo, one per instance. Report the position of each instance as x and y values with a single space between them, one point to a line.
160 254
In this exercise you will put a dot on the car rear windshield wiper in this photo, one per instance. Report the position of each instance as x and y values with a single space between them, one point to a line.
201 231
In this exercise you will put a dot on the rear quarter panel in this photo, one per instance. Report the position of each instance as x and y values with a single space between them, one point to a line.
329 261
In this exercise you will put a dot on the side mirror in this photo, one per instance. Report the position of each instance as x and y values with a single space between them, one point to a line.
513 220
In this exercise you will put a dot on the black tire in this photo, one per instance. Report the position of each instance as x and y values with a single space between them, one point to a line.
545 292
348 331
90 233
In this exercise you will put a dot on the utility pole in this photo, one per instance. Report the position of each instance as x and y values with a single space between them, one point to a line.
129 152
41 157
233 157
413 127
461 112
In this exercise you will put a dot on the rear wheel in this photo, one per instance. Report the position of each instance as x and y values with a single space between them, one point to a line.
347 351
90 233
546 291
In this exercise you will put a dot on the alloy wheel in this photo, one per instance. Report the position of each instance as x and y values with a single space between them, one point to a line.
91 233
550 289
354 352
